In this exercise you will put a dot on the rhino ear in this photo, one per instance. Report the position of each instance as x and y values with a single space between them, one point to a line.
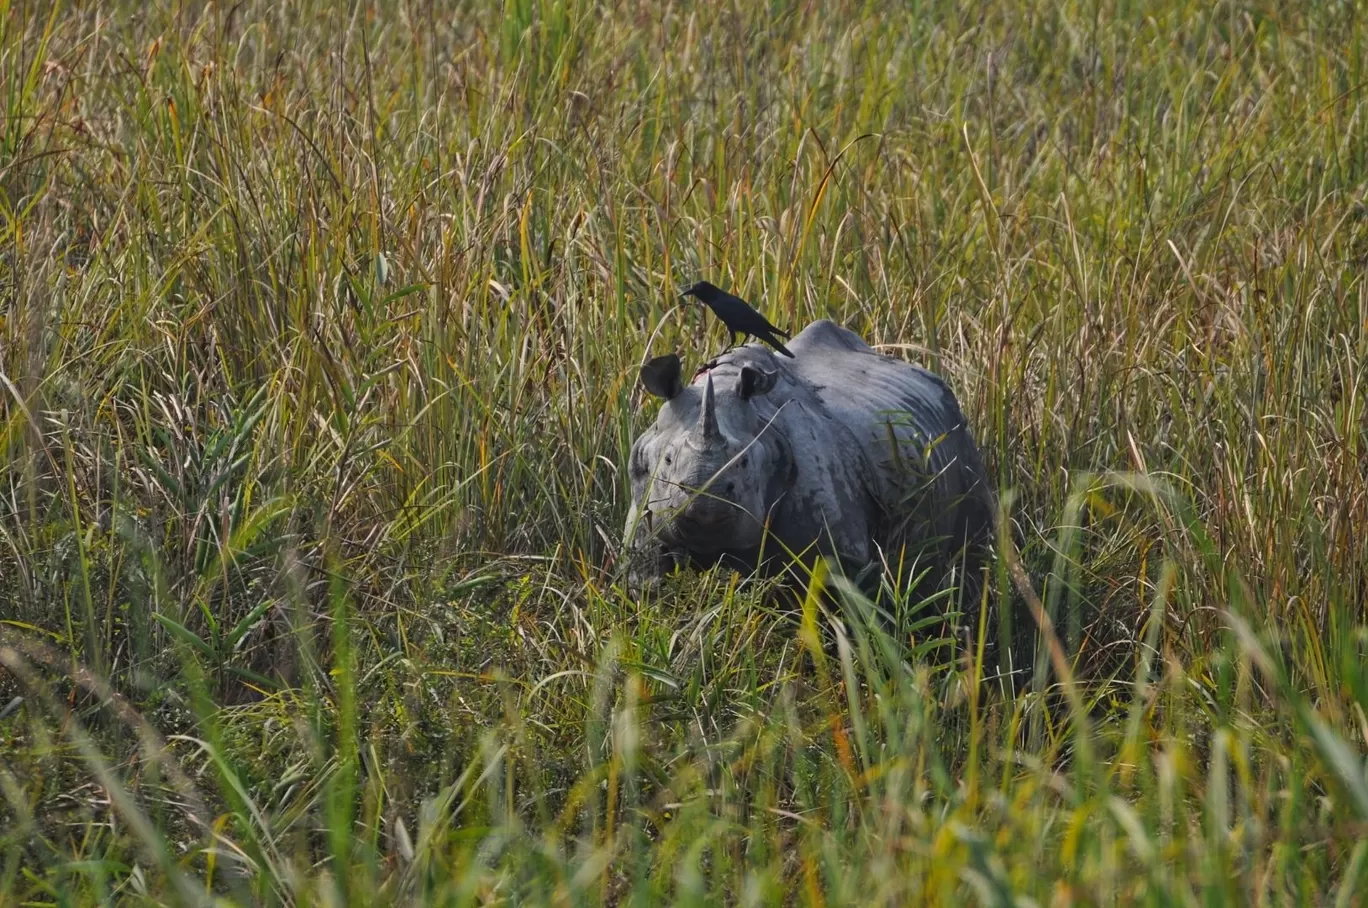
660 376
753 382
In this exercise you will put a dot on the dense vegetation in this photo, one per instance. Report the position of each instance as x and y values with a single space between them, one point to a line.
319 328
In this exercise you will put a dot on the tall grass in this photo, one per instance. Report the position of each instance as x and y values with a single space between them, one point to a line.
319 326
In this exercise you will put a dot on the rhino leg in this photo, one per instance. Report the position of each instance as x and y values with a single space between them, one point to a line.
647 565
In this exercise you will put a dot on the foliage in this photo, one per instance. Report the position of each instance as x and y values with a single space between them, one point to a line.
319 328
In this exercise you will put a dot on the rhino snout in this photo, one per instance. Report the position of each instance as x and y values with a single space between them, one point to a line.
709 512
708 524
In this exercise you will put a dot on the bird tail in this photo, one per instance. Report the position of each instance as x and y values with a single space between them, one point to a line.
774 341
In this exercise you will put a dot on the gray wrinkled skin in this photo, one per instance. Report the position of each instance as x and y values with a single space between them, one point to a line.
840 451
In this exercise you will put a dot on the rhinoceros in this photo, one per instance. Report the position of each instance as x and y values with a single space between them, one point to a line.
840 452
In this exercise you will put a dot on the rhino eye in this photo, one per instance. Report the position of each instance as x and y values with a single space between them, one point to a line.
669 459
744 461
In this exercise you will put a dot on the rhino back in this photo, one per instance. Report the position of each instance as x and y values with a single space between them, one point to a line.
906 418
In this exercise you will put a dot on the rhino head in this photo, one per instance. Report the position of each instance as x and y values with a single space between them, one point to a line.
706 474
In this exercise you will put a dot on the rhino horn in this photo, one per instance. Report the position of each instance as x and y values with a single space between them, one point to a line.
707 421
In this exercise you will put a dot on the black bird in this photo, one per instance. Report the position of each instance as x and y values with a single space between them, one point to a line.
737 315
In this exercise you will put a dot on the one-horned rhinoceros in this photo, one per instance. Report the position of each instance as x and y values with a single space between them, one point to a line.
840 451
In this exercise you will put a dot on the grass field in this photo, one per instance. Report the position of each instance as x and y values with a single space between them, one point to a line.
319 329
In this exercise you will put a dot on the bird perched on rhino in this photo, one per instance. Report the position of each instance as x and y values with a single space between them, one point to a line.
738 315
